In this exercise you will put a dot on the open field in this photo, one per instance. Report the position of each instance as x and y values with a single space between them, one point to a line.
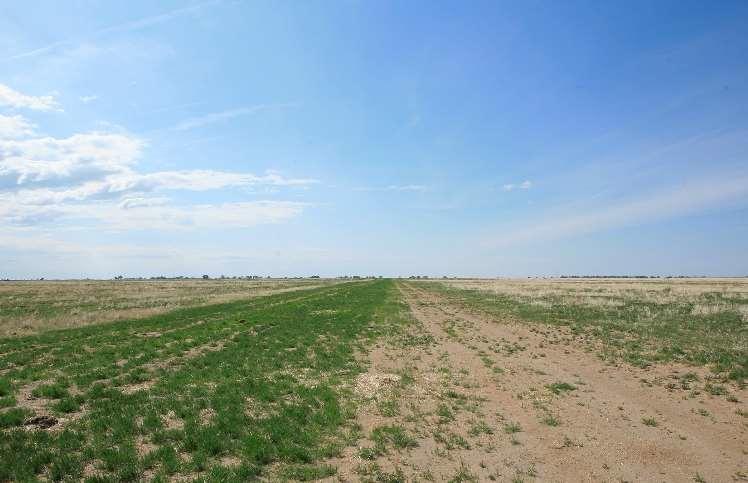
698 321
30 307
227 391
457 380
478 394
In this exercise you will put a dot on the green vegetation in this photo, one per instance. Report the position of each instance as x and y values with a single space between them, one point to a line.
649 422
463 475
50 391
559 387
37 306
220 391
707 328
480 427
396 436
551 420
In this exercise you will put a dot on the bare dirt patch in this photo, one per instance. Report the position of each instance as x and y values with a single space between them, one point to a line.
172 421
370 385
499 400
40 408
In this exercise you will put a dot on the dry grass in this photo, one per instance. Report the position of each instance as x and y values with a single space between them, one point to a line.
643 321
36 306
711 295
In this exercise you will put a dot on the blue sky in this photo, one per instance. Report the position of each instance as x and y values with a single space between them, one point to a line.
440 138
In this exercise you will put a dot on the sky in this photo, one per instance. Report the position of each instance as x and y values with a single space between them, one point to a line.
294 138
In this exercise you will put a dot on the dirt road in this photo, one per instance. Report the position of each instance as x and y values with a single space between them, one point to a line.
486 399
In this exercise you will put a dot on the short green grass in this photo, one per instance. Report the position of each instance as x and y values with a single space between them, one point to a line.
397 436
221 391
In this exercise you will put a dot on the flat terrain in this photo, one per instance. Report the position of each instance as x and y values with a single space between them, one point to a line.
564 380
226 392
494 397
34 306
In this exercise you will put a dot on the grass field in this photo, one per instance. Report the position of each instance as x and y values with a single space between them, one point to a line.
31 307
383 380
228 391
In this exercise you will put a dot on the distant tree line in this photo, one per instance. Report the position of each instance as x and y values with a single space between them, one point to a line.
370 277
633 276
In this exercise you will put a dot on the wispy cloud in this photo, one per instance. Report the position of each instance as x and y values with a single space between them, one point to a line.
87 99
123 27
525 185
394 187
17 100
57 256
157 19
158 214
214 117
694 197
139 202
40 50
407 187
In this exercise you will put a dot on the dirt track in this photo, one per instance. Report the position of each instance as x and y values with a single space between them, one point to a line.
508 425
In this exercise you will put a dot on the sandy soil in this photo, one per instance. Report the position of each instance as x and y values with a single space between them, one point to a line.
476 399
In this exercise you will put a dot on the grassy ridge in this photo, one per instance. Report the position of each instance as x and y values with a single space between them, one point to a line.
638 331
219 392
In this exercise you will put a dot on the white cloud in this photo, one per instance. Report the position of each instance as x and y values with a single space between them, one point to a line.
687 199
225 215
202 180
129 184
139 202
48 160
93 177
87 99
15 99
13 127
394 187
153 214
525 185
97 163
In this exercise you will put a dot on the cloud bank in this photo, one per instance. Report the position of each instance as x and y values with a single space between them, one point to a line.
95 177
14 99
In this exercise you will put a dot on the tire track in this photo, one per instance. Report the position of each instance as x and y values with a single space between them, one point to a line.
600 434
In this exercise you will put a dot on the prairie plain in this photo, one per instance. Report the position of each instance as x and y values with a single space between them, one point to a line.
376 380
33 306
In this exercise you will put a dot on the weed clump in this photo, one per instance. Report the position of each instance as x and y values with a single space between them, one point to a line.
559 387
